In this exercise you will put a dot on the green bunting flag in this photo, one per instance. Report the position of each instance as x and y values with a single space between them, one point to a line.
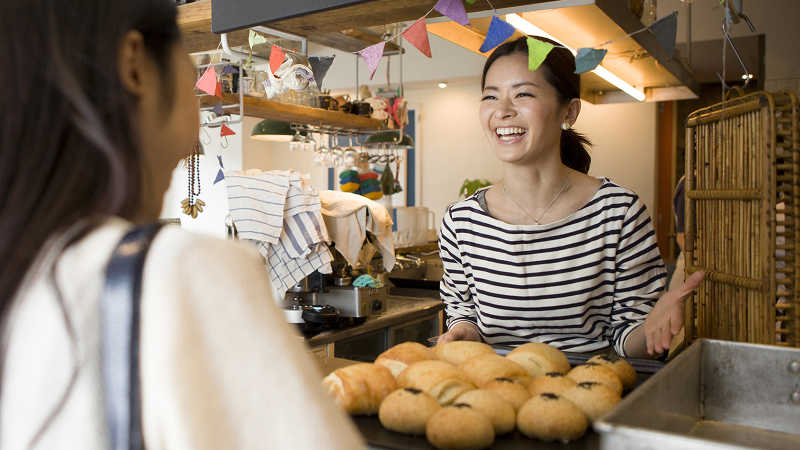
255 39
537 52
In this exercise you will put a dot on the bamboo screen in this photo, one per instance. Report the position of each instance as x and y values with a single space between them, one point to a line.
742 205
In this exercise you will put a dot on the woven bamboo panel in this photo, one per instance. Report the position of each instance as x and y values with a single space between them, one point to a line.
742 212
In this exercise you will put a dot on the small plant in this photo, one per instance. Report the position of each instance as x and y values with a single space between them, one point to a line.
471 186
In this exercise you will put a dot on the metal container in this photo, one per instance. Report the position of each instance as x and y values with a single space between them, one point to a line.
356 301
716 394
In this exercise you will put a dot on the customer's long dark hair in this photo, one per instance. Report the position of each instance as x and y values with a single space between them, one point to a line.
68 139
559 70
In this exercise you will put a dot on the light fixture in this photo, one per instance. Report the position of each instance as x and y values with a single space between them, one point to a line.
389 139
528 28
272 131
442 84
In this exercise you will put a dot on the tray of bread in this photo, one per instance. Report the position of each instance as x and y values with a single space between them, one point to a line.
464 395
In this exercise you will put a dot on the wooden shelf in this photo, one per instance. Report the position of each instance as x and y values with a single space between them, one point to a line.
194 20
268 109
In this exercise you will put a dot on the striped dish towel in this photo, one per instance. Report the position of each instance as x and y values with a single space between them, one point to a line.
257 201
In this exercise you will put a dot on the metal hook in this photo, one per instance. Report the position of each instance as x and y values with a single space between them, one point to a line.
205 136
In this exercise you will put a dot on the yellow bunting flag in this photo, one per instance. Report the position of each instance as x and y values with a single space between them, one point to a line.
537 52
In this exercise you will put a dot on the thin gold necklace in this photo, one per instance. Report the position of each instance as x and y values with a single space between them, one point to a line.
550 205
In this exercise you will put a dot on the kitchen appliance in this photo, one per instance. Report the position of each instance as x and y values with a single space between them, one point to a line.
356 302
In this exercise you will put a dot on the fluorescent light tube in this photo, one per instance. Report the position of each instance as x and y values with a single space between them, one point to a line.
528 28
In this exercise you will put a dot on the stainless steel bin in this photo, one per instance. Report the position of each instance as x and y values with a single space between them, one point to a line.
715 395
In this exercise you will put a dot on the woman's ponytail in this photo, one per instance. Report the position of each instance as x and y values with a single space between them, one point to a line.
574 153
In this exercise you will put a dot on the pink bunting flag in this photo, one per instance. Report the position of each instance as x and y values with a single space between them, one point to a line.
208 82
417 34
372 55
276 58
225 131
453 9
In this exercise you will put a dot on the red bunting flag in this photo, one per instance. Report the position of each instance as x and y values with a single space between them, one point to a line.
218 90
372 55
225 131
417 34
276 58
208 82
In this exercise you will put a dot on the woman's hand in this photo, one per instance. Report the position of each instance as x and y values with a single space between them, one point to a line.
462 331
666 318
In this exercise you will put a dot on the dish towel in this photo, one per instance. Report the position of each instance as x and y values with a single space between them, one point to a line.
349 217
298 246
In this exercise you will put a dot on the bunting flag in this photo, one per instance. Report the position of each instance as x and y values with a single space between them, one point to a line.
417 35
372 56
319 67
218 109
665 30
470 2
225 131
255 39
218 90
537 52
220 177
229 69
219 158
208 82
453 9
588 58
276 58
499 31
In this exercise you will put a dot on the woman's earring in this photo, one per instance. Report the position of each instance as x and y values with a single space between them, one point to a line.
565 126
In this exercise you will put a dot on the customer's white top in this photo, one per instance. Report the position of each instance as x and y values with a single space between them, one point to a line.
220 369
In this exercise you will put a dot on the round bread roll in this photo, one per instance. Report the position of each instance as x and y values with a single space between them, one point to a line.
459 427
360 388
623 369
539 359
439 379
553 382
490 404
594 399
482 369
397 358
456 352
550 417
513 392
596 373
407 411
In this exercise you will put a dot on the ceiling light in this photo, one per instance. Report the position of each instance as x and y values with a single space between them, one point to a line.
442 84
272 130
528 28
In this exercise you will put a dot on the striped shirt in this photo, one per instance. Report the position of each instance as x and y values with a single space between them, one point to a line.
580 284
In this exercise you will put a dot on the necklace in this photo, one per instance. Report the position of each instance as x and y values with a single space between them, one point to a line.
550 205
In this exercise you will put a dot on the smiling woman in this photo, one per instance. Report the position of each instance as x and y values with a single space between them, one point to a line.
551 254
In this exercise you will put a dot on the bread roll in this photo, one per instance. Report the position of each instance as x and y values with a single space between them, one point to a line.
596 373
360 388
456 352
550 417
594 399
623 369
490 404
512 391
459 427
439 379
539 359
407 411
553 382
482 369
397 358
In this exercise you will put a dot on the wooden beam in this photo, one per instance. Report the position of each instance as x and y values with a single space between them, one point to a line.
194 20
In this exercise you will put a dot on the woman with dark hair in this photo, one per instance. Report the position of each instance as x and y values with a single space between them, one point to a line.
551 254
97 109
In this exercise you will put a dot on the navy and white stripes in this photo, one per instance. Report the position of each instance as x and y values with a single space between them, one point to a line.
580 284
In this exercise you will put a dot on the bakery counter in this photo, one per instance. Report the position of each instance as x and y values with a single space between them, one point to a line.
406 318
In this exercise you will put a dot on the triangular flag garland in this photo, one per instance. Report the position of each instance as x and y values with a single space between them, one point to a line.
218 109
229 69
208 81
499 31
588 58
319 67
255 39
276 58
453 9
417 35
372 56
218 90
220 177
219 158
665 30
537 52
470 2
225 131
